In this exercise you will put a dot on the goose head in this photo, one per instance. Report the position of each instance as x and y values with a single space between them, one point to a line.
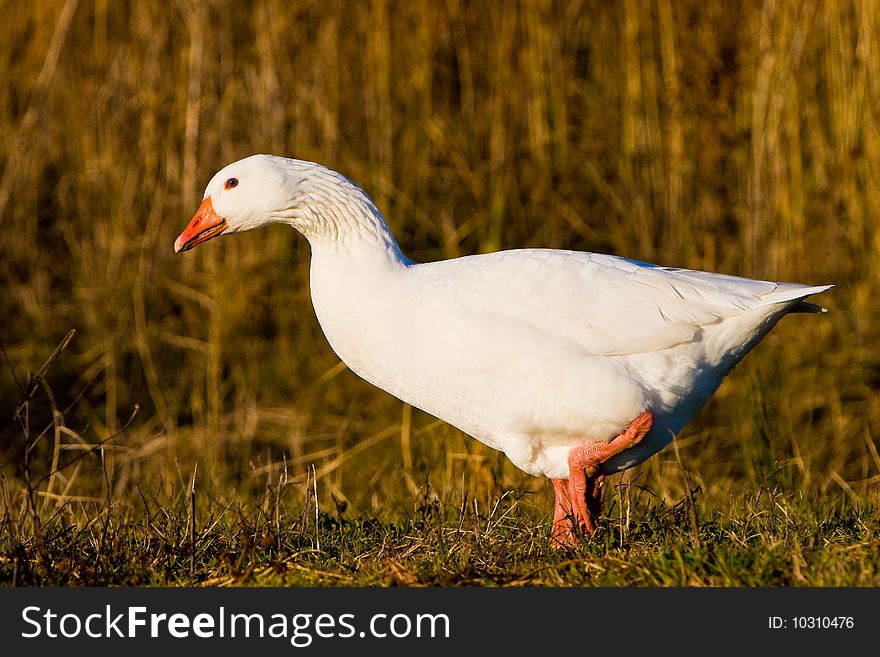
247 194
325 206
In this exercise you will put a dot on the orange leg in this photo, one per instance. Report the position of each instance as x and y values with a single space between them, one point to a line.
579 500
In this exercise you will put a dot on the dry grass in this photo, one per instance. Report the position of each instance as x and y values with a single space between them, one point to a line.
740 138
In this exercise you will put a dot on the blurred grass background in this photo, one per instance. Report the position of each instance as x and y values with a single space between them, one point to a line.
736 137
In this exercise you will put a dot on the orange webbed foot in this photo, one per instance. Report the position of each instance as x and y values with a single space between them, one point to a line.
579 500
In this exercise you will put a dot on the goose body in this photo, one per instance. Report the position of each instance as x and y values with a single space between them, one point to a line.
534 352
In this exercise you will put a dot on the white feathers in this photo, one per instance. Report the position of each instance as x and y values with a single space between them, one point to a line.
530 351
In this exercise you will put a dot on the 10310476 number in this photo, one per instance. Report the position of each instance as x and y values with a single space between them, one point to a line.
811 623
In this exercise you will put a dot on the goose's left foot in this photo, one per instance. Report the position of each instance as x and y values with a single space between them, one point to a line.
579 499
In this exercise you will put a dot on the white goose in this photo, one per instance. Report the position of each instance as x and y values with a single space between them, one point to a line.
574 364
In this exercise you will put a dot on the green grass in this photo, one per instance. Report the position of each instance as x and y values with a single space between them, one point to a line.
762 538
734 137
185 532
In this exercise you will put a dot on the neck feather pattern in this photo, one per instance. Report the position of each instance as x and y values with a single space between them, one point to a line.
333 212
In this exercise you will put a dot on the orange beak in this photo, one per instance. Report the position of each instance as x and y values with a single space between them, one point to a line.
204 225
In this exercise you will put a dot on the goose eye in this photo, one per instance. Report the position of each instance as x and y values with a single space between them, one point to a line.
232 182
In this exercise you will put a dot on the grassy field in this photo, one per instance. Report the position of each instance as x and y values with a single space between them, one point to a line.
181 420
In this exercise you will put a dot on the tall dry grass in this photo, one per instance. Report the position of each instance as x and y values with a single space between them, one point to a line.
737 137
